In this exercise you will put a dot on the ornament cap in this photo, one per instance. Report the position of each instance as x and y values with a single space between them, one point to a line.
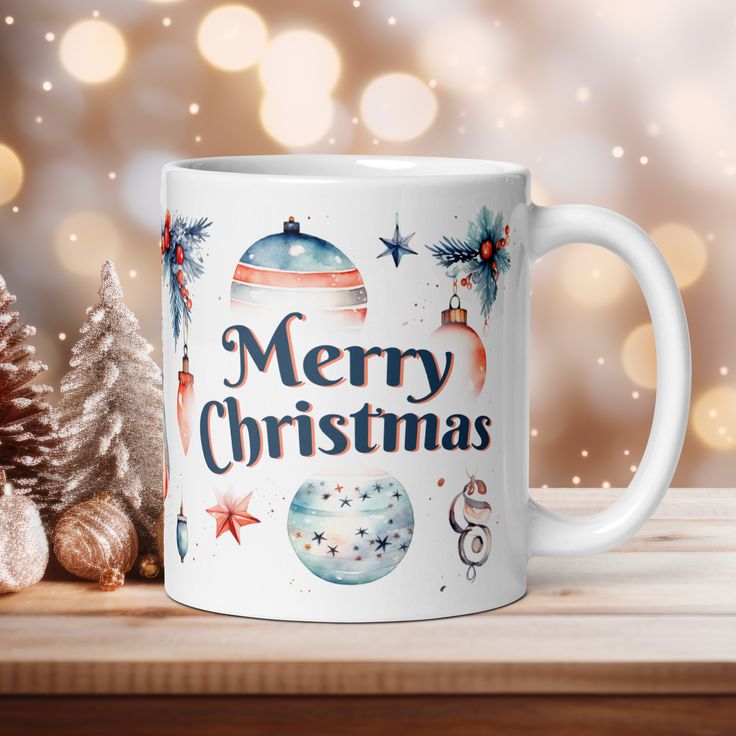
185 365
291 225
454 315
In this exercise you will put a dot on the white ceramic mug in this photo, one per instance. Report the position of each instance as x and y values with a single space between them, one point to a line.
346 362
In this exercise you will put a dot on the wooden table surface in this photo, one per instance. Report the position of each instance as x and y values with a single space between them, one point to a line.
634 638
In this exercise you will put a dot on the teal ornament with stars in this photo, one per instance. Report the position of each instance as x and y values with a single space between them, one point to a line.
398 246
351 543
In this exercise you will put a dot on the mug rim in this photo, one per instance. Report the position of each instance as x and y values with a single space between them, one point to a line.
340 168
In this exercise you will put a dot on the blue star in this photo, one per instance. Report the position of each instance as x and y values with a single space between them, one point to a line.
382 543
332 550
362 532
377 487
396 494
364 495
318 537
345 502
325 496
404 547
398 246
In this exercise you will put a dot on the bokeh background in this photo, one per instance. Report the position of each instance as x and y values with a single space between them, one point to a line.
629 104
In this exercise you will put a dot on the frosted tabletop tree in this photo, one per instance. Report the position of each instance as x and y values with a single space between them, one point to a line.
110 412
27 421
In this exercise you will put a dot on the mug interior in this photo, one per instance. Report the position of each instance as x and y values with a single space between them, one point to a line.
351 167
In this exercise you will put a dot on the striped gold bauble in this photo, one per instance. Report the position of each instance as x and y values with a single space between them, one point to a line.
96 540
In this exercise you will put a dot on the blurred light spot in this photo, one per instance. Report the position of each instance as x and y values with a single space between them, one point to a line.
634 394
11 173
627 452
9 20
398 107
73 237
92 51
356 3
534 432
232 37
466 54
132 273
355 121
300 62
632 468
723 370
166 22
95 13
576 480
193 108
62 336
714 418
605 484
639 358
15 209
49 36
96 239
582 94
296 122
617 152
47 86
601 361
683 249
197 138
584 453
39 119
392 20
140 181
643 160
112 175
593 276
432 83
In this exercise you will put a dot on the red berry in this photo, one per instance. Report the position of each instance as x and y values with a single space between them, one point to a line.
464 282
506 230
180 277
189 304
168 219
184 291
486 250
179 254
501 243
494 266
167 238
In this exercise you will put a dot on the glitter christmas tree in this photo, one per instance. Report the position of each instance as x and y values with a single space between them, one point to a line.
110 412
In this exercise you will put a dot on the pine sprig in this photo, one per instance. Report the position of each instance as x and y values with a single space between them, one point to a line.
482 256
185 235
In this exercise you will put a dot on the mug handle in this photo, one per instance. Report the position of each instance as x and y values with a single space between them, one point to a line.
555 534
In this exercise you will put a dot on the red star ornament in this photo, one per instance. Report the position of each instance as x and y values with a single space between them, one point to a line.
231 513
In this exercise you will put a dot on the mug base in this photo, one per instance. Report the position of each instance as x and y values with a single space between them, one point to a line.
345 619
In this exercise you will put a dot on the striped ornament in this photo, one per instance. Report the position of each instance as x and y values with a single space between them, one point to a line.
292 271
95 538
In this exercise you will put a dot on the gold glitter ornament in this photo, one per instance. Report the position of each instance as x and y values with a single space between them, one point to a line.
96 540
149 566
24 549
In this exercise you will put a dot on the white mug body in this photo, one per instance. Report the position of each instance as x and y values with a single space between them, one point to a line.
345 361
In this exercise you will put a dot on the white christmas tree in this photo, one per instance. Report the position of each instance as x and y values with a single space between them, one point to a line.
111 412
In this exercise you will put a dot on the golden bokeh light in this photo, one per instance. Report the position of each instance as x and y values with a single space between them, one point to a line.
593 276
84 240
714 418
301 62
11 173
398 107
92 51
296 121
639 357
684 250
232 37
467 55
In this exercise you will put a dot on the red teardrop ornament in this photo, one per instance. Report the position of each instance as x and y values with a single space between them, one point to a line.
486 250
179 254
185 402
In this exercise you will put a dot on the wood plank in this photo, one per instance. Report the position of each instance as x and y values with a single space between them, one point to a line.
361 716
476 654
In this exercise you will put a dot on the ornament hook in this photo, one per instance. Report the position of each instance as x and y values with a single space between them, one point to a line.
456 297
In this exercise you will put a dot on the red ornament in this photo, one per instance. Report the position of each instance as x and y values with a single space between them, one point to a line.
494 266
506 230
167 219
486 250
463 281
467 348
167 238
179 254
189 304
162 245
185 402
501 243
184 291
180 277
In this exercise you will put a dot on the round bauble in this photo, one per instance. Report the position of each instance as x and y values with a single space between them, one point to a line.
292 271
95 539
486 250
352 527
24 549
